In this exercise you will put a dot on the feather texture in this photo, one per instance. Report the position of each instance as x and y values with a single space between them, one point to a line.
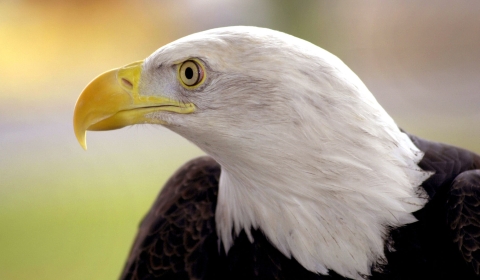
170 244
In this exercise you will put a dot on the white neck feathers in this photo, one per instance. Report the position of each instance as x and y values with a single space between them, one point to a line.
328 212
326 192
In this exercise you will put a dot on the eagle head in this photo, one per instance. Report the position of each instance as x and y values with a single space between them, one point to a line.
308 155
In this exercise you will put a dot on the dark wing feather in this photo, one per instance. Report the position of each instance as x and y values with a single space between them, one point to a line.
446 161
446 233
168 244
464 216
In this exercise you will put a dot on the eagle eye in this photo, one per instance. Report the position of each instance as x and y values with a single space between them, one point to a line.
191 74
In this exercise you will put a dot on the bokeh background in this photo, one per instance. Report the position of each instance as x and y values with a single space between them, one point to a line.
70 214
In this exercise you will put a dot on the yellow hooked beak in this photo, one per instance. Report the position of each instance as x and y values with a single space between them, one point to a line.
112 101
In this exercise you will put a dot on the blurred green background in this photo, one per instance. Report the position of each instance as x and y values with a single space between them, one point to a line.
70 214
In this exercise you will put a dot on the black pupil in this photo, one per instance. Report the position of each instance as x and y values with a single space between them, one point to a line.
189 73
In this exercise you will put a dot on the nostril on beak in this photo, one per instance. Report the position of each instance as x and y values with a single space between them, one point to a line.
127 83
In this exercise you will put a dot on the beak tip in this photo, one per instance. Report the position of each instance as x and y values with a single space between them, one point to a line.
82 139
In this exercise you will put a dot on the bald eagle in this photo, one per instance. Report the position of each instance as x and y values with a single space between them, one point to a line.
307 176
